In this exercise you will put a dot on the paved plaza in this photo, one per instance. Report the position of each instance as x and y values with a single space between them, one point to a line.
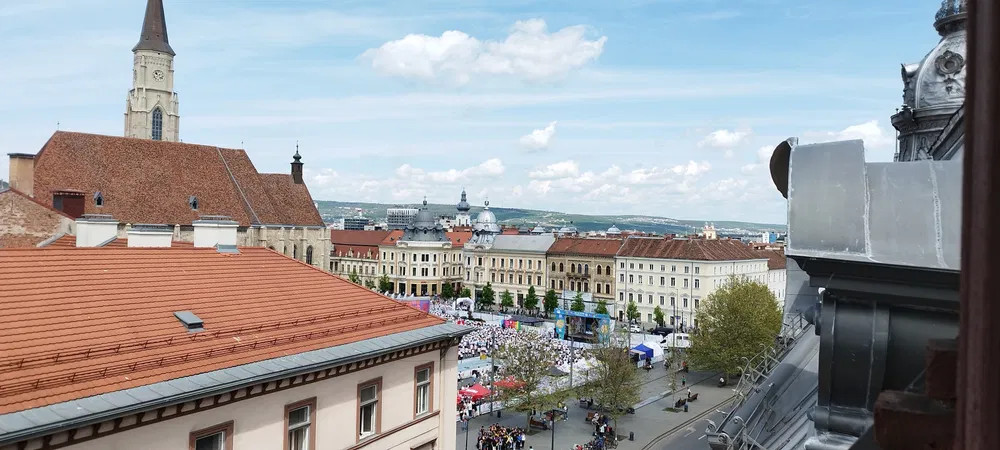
649 422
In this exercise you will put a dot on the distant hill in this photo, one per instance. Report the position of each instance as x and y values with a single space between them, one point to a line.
332 210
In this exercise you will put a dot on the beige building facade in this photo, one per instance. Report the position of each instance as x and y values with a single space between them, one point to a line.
512 262
676 275
424 257
584 265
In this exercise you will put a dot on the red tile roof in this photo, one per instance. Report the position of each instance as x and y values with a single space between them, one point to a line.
26 222
146 181
688 249
84 321
69 241
775 258
358 251
585 247
458 238
393 236
357 237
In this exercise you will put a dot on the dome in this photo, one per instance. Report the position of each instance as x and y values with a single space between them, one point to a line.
487 221
614 230
538 229
463 205
424 227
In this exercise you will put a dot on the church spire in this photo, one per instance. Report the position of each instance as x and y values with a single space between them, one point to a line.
154 30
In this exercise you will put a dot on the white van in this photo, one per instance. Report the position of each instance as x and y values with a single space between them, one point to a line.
678 340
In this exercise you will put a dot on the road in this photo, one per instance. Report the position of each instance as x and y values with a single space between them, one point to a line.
692 436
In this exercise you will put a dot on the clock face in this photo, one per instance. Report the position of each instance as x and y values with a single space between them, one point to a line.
158 75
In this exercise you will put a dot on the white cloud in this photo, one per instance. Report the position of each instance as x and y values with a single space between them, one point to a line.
529 52
539 139
562 169
724 139
763 160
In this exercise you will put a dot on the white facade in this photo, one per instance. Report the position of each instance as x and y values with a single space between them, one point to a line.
421 268
151 108
776 283
260 422
677 286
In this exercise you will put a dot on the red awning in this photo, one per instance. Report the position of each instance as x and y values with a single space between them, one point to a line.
475 392
508 383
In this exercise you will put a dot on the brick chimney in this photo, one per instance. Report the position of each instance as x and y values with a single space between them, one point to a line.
95 230
22 172
68 201
215 231
148 235
297 166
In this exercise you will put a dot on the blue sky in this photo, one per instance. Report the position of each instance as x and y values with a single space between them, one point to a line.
625 107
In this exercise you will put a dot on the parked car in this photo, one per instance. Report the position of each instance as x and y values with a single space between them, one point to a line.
662 331
634 328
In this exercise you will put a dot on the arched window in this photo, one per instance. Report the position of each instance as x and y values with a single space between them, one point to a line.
295 251
553 267
561 267
607 270
157 124
586 269
607 288
309 255
598 270
572 268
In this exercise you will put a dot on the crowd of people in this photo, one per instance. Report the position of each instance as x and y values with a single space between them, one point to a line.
486 338
498 437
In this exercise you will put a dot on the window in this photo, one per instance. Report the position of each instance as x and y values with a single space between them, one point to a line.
586 287
295 252
561 267
572 268
520 280
631 279
99 199
493 277
493 262
631 265
423 389
586 268
157 124
539 277
529 264
623 264
697 270
650 299
501 278
607 288
672 301
309 254
368 407
663 268
607 270
219 437
572 285
598 287
553 284
621 277
621 296
695 303
598 270
629 296
673 282
685 282
480 259
553 267
560 284
661 300
685 302
673 268
686 269
650 280
663 281
640 266
299 417
697 284
649 317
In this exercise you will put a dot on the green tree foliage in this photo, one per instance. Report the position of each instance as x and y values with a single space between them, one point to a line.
384 285
370 284
602 307
447 291
488 298
658 315
615 383
531 300
466 293
525 366
506 300
578 305
353 277
550 302
632 311
739 320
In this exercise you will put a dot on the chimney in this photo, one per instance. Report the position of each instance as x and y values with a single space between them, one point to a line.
215 231
148 235
297 166
22 172
95 230
68 201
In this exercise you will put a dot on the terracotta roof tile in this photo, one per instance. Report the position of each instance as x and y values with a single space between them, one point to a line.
775 259
357 237
85 321
146 181
585 246
69 241
688 249
393 236
458 238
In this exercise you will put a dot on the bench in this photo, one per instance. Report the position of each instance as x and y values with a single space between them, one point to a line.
540 424
694 396
591 415
680 403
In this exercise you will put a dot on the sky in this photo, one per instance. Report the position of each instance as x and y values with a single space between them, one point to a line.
667 108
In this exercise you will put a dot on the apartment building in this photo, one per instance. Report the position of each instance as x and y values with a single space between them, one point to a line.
585 265
512 262
676 274
424 257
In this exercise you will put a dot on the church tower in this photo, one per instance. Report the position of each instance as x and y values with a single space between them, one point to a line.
151 106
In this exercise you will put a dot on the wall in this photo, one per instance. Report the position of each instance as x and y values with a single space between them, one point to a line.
444 265
25 223
259 422
592 280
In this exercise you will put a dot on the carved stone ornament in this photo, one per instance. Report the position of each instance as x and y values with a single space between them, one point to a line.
949 63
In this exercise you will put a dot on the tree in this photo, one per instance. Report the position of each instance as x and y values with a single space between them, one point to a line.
447 291
466 293
370 284
614 381
578 305
523 365
384 285
658 315
550 302
506 300
632 311
531 300
353 277
739 320
487 300
602 307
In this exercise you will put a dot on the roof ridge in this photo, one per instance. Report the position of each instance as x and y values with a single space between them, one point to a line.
243 196
33 199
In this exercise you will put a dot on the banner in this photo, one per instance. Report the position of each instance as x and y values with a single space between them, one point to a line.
560 323
423 305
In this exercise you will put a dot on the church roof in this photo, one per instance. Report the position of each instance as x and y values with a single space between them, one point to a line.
154 30
147 181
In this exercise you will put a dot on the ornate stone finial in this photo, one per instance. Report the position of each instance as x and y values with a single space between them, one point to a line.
950 16
296 157
425 200
487 203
